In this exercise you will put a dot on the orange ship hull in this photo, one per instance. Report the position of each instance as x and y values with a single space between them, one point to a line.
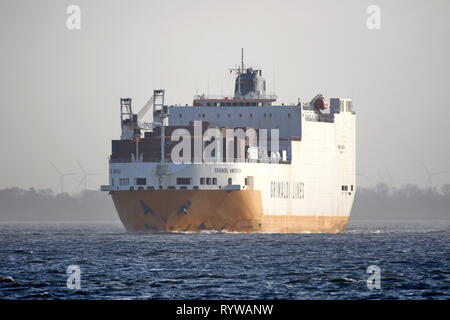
221 210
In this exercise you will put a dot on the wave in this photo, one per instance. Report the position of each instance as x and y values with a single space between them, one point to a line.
8 279
377 231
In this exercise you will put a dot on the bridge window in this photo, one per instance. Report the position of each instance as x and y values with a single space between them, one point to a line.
183 181
141 181
124 181
214 180
208 181
202 180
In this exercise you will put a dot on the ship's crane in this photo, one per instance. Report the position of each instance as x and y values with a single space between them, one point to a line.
132 123
159 111
145 108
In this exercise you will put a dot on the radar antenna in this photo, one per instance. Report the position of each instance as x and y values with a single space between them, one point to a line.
239 71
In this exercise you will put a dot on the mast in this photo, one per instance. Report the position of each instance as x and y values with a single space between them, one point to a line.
239 71
242 59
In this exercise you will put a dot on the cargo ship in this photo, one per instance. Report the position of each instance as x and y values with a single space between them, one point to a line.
238 163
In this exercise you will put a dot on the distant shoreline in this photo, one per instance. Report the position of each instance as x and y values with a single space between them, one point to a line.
374 204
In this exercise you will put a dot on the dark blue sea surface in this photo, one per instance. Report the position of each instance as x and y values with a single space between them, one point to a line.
413 257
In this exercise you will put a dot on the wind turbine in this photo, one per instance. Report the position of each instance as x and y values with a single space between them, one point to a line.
61 177
431 174
389 176
85 175
381 177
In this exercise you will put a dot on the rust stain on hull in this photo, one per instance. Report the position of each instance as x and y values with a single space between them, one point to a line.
197 210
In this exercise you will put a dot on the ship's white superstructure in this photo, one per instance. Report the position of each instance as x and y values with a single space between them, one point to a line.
302 182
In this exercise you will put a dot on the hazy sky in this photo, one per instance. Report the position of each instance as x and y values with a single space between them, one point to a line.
60 89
